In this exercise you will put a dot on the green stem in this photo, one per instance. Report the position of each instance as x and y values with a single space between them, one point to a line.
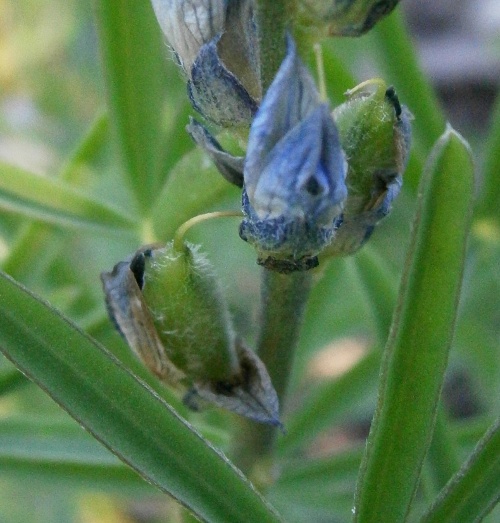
272 21
283 296
283 304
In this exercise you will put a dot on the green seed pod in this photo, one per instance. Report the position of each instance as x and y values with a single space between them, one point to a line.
167 304
375 134
344 17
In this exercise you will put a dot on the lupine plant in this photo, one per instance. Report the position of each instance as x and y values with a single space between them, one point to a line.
250 254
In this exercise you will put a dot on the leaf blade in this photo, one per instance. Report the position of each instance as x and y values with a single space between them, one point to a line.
475 488
134 64
416 353
118 410
56 202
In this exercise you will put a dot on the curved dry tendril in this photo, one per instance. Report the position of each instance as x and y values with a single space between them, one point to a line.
182 230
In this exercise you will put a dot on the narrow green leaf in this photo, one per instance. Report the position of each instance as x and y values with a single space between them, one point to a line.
337 468
319 489
380 288
442 455
53 201
134 61
122 412
417 351
31 241
475 488
491 188
10 380
176 142
88 149
57 450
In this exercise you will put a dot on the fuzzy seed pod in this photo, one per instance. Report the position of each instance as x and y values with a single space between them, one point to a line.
168 306
375 133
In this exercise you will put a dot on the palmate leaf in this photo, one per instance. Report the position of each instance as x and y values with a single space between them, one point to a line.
122 412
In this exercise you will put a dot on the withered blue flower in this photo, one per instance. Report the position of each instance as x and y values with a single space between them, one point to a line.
215 42
294 172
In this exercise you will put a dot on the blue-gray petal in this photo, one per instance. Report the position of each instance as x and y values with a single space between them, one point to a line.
217 93
294 209
304 174
291 96
231 167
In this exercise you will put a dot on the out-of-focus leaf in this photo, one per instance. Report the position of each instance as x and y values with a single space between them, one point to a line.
475 488
417 351
53 201
88 149
122 412
380 287
442 455
401 68
330 402
488 203
135 65
317 490
56 450
194 186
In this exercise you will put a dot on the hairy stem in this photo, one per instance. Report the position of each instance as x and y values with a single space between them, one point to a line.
284 297
272 21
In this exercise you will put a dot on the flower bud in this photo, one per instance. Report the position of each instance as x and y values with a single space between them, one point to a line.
215 42
344 17
167 305
294 172
375 133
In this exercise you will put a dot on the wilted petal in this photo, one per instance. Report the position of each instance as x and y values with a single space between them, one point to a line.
252 395
345 17
131 316
217 93
238 47
294 172
231 167
217 46
189 24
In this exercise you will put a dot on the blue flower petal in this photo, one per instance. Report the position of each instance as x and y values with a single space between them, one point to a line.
294 172
217 93
291 96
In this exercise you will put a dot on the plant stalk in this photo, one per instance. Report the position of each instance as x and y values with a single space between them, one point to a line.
284 297
272 21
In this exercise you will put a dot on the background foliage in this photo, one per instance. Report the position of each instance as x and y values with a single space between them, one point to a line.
79 130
